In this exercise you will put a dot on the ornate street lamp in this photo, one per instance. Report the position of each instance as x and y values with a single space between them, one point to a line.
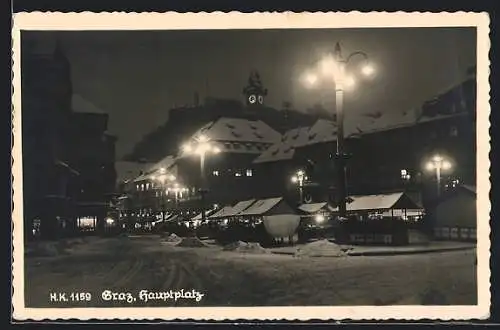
333 68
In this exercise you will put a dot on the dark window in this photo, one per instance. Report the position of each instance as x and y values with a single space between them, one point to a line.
453 131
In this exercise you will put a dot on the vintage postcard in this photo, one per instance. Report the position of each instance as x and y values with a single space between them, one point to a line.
261 166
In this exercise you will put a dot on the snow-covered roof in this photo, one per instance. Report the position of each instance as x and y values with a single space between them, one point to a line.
223 212
172 218
237 129
238 135
387 120
424 119
261 206
240 206
372 122
166 163
373 202
207 214
322 131
312 207
129 170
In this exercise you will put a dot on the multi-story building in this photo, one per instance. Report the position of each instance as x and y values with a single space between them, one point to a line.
94 160
48 178
67 156
387 152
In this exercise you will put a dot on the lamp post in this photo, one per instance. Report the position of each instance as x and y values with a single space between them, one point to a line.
202 146
299 178
438 164
334 68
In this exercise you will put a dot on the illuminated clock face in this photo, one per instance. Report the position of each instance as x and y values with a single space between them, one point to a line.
252 99
261 99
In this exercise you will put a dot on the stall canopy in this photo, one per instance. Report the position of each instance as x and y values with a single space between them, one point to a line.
207 214
265 206
223 212
171 217
240 207
381 202
312 208
231 211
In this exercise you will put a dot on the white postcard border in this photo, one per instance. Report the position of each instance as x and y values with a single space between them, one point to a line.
235 20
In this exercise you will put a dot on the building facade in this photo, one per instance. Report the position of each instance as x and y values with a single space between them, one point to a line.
63 151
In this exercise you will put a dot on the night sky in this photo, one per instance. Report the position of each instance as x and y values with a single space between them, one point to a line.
137 76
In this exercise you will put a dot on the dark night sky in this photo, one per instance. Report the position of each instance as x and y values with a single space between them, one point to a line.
138 76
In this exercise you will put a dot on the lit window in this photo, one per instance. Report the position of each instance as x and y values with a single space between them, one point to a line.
215 173
249 173
237 174
403 173
147 186
137 187
142 187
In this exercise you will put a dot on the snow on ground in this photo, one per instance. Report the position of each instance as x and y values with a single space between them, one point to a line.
321 248
191 242
242 279
172 238
244 247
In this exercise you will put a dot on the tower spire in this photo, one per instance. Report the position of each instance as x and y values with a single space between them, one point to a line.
254 91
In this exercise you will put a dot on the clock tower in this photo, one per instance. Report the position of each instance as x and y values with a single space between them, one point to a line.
254 91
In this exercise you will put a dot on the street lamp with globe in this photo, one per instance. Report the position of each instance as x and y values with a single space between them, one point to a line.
332 70
438 164
202 146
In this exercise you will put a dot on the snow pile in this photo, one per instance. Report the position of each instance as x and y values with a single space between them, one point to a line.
172 238
191 242
245 247
321 248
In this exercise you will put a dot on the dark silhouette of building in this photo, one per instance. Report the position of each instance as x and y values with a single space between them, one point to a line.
63 151
46 115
